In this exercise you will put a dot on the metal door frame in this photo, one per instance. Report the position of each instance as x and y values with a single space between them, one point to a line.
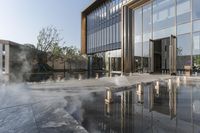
172 54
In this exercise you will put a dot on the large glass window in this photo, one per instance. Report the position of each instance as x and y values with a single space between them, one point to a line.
103 27
164 33
196 52
163 14
195 9
147 22
184 28
138 39
138 25
183 51
138 57
196 46
147 17
183 11
196 26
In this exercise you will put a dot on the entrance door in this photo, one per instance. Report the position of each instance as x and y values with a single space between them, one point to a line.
162 55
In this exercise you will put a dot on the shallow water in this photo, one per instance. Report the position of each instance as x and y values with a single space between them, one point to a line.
164 106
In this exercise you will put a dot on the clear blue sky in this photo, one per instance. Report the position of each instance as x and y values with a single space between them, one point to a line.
21 20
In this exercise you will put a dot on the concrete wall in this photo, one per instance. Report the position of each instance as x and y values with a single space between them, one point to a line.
19 60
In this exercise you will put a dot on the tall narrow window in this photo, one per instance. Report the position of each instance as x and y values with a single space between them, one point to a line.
138 39
3 48
3 63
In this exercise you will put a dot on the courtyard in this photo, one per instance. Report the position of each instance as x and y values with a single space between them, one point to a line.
78 106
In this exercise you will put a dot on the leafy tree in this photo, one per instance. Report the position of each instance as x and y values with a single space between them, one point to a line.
69 55
48 42
80 60
55 53
48 37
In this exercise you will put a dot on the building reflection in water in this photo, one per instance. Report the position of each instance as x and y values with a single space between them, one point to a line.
140 93
153 107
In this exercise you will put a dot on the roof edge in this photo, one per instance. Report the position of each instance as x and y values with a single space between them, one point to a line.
93 6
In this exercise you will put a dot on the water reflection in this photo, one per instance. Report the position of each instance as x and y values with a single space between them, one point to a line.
161 106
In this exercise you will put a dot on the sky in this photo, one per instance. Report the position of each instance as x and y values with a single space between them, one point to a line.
21 20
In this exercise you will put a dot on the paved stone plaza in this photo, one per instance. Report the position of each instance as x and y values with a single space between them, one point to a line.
42 107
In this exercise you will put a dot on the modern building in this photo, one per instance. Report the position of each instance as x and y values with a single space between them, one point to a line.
153 36
15 60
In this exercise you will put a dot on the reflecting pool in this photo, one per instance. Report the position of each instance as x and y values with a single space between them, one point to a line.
162 106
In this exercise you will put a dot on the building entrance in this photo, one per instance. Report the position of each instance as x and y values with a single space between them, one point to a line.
163 55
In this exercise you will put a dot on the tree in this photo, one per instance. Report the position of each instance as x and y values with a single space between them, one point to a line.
69 55
55 53
48 42
48 37
72 55
81 61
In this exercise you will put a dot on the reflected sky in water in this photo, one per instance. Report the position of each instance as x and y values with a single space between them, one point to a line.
161 106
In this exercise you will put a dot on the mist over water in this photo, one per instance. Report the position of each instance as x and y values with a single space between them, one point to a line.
14 94
117 80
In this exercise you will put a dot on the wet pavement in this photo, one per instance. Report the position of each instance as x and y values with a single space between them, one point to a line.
24 111
158 107
79 106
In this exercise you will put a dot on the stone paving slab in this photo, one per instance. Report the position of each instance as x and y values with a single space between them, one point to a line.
35 114
51 117
17 120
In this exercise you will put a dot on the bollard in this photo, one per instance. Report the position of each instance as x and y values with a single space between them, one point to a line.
79 77
121 74
130 74
97 76
178 81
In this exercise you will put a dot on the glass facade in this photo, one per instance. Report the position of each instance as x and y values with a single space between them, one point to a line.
103 27
154 20
183 51
103 36
196 35
162 18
